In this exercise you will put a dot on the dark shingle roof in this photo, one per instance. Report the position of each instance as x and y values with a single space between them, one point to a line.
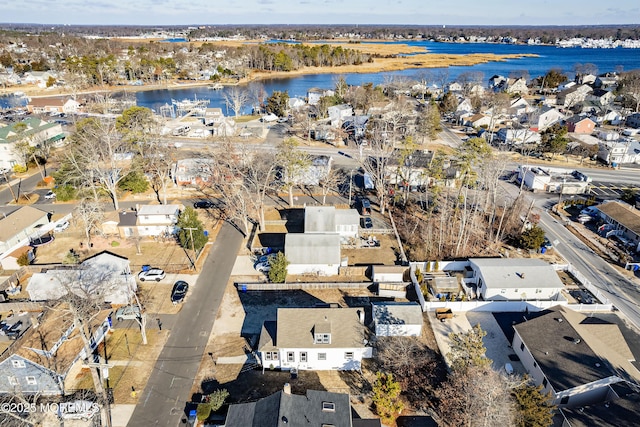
566 360
627 216
292 410
622 412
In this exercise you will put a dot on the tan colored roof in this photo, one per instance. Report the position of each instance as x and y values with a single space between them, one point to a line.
18 221
52 326
626 216
296 327
48 101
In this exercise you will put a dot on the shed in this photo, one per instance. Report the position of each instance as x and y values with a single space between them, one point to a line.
397 319
388 273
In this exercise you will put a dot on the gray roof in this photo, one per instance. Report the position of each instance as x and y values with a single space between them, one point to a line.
529 273
158 209
17 221
291 410
127 219
314 249
621 412
565 363
320 219
296 327
347 217
397 313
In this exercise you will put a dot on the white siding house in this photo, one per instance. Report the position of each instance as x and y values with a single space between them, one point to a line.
574 357
154 220
514 279
314 339
310 253
329 220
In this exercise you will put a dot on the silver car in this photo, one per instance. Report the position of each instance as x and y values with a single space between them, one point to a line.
156 274
127 312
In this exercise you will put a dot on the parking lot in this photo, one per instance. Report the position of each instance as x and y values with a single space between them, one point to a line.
610 190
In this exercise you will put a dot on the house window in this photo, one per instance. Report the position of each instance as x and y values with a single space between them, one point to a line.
322 356
544 383
12 380
348 355
267 355
322 339
274 355
31 380
328 407
538 291
18 363
290 356
564 400
303 356
503 291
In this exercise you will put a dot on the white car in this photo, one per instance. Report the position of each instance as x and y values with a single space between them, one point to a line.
263 267
61 226
127 312
156 274
50 195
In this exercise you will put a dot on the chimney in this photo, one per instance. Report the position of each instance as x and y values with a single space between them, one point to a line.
361 316
287 388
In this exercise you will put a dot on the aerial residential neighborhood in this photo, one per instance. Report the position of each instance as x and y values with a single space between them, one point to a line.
212 226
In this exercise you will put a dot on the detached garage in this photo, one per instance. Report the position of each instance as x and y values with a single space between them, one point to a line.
312 253
393 319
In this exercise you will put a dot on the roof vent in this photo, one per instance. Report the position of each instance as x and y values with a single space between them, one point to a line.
577 341
597 364
559 319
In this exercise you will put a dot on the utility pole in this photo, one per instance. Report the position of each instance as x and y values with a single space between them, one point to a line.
102 367
193 247
350 185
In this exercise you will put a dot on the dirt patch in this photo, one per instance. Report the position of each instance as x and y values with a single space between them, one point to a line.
126 373
385 254
156 298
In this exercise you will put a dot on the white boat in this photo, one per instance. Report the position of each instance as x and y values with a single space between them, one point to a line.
216 86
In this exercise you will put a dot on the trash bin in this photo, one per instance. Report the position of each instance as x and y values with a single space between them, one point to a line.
146 267
243 287
543 250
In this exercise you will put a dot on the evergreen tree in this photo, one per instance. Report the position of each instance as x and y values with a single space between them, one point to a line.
278 270
533 408
468 350
386 397
532 238
187 220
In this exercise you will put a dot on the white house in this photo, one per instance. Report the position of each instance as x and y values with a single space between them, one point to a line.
34 131
311 253
392 319
19 227
155 220
314 95
616 152
623 220
515 279
509 136
104 274
574 357
338 113
314 339
545 118
329 220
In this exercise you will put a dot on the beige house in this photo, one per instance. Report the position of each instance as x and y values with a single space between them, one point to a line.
17 228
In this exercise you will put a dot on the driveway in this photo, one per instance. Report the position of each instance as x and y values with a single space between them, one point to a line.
162 403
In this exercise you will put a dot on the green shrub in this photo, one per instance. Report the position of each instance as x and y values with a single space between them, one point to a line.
278 271
64 193
19 169
115 244
203 411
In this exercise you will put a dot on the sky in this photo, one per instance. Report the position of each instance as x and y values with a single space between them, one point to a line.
408 12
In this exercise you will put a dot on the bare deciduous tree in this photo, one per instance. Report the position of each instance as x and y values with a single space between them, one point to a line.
236 99
91 214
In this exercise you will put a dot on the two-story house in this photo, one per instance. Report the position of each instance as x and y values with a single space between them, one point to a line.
579 124
149 220
314 339
33 131
339 113
576 358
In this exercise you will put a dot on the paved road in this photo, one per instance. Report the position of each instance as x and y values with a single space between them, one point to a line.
163 401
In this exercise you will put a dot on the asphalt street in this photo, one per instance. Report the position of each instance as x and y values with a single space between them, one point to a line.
163 401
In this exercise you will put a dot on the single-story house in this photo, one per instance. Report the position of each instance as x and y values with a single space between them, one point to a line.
314 339
104 274
329 220
312 253
149 220
397 319
316 408
511 136
54 104
40 360
17 228
515 279
477 120
624 219
574 357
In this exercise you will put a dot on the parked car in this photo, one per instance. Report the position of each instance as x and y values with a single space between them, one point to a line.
203 204
367 223
61 226
50 195
365 206
127 312
156 274
263 267
179 291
